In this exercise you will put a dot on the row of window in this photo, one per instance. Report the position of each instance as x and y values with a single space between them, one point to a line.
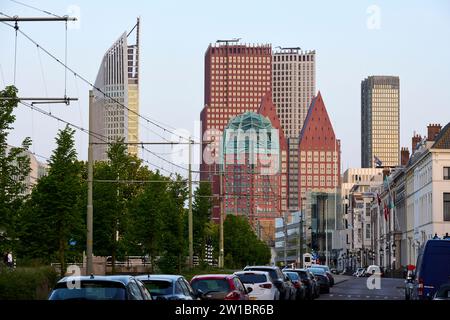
282 58
241 59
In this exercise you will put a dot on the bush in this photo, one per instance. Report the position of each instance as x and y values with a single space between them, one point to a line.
27 283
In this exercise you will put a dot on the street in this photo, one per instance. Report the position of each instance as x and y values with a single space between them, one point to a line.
353 288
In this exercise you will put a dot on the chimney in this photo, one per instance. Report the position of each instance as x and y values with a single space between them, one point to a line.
415 140
433 131
404 157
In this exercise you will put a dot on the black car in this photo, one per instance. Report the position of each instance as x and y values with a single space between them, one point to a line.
322 278
312 289
327 271
300 288
99 288
168 287
279 280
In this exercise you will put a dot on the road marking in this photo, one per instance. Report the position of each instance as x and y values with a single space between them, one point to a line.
367 297
349 296
340 295
385 297
331 295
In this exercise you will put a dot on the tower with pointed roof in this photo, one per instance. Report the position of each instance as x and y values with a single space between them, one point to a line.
319 152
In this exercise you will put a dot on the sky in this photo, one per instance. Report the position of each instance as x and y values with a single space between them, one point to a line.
352 39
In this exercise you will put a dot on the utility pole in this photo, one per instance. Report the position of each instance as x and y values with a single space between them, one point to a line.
285 238
326 231
221 253
90 181
191 232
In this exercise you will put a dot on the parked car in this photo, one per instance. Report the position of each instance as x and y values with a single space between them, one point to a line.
279 280
300 288
220 287
327 271
99 288
322 279
432 268
168 287
312 289
443 293
261 284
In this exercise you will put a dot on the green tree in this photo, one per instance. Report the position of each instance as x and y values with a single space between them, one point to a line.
241 245
14 168
111 199
54 214
173 243
146 214
201 212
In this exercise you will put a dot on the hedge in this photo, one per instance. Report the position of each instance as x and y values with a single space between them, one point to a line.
27 283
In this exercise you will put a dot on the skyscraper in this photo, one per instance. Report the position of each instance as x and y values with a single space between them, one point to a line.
380 121
236 79
255 167
294 86
319 152
118 77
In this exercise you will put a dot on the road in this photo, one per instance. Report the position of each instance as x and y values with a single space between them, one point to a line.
352 288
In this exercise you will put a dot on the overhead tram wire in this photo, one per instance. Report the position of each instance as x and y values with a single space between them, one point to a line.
106 95
96 135
96 88
35 8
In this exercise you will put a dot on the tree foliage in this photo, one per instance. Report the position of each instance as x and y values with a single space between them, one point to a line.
52 218
14 169
241 245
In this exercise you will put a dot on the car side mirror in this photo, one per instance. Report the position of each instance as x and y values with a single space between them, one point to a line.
249 289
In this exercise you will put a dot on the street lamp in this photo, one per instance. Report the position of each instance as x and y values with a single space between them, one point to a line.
381 256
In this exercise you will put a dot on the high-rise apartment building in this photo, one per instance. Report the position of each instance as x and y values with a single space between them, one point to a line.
380 121
236 78
294 86
118 78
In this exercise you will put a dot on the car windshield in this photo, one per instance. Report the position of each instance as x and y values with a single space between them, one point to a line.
158 287
272 272
317 271
292 275
98 290
252 278
325 268
210 285
303 275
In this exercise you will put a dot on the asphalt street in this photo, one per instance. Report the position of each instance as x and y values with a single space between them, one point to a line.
353 288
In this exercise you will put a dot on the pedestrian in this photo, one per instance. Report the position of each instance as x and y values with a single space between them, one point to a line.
9 262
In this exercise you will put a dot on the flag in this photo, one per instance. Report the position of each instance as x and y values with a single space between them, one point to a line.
390 202
377 161
379 200
385 211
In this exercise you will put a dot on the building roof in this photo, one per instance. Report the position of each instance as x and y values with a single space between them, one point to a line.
442 140
317 131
